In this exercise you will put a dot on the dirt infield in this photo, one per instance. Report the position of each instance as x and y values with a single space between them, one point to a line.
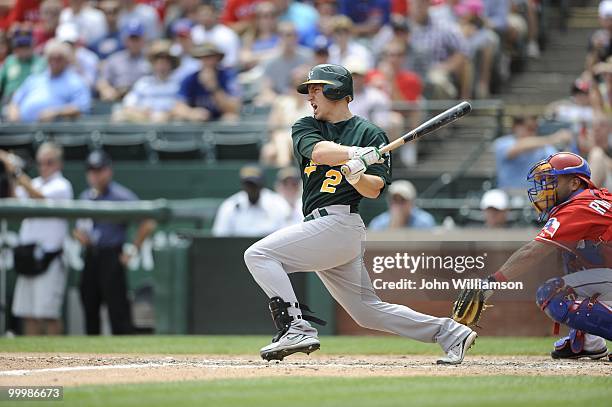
74 369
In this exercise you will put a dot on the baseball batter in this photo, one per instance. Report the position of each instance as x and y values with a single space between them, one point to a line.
329 241
576 238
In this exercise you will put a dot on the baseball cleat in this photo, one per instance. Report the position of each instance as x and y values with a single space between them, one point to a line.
566 352
289 344
456 353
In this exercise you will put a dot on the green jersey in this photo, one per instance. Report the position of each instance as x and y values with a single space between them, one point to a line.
15 71
325 185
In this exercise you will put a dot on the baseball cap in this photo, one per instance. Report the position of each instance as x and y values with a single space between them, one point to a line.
22 39
206 49
67 32
403 188
133 28
182 27
251 173
495 198
98 159
605 9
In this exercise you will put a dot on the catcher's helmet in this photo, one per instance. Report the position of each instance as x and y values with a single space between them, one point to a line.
336 80
543 175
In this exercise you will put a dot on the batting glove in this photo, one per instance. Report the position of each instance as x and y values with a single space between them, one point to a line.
357 167
369 155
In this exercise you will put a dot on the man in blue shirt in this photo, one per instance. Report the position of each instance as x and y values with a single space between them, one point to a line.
516 152
57 93
212 93
103 280
402 212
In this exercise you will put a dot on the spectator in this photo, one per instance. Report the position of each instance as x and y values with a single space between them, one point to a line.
289 186
19 65
85 62
181 10
144 14
111 42
122 69
38 298
398 30
402 213
153 97
495 205
303 16
286 110
390 76
601 91
262 40
103 280
482 43
577 108
344 48
254 211
516 152
238 14
90 22
375 105
600 43
57 93
321 54
209 29
212 93
595 145
277 70
440 54
44 30
183 47
18 11
368 16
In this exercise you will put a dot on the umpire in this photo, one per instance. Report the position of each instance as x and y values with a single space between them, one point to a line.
104 279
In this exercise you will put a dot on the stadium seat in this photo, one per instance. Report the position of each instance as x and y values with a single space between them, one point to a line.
178 142
126 142
236 141
75 138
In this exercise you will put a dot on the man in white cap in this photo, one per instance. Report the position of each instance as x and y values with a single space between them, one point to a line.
402 213
495 205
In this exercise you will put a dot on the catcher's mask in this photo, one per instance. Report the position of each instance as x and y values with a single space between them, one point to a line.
544 178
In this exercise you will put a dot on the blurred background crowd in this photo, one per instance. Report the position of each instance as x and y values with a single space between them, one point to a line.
90 90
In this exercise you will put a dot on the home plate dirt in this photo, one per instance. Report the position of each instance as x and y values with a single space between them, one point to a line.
73 369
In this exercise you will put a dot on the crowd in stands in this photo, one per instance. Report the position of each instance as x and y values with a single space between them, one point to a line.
203 60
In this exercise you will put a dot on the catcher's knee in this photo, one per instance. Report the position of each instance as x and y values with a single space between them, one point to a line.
560 303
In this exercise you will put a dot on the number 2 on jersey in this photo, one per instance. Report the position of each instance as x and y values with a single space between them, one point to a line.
332 179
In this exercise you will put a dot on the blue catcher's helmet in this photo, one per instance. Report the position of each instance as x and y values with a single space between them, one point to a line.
544 177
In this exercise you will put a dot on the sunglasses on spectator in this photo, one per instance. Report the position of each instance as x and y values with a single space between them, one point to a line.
111 11
268 15
287 34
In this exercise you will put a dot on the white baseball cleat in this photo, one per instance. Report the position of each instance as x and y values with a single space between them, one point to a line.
456 353
289 344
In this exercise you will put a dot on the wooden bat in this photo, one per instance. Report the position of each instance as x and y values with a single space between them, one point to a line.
446 117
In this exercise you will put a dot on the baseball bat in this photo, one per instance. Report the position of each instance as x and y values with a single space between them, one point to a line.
446 117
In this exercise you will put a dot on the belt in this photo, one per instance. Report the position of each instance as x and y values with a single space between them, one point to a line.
331 210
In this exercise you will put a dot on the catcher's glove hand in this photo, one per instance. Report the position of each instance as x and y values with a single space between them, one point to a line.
470 304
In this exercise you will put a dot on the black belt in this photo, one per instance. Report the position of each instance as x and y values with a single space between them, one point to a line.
323 212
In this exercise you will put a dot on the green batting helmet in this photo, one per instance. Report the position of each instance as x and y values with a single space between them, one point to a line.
336 80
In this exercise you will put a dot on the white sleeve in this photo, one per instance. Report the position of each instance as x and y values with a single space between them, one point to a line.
223 220
57 189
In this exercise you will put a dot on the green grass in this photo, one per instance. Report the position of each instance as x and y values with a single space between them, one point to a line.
347 345
495 391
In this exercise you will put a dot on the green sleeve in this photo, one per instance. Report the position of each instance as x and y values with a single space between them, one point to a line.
383 170
305 134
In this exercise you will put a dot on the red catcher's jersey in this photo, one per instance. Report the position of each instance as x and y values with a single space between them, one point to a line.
582 228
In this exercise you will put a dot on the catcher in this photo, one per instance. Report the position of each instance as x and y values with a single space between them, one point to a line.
576 238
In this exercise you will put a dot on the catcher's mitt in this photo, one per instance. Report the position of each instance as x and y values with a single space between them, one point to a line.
469 306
